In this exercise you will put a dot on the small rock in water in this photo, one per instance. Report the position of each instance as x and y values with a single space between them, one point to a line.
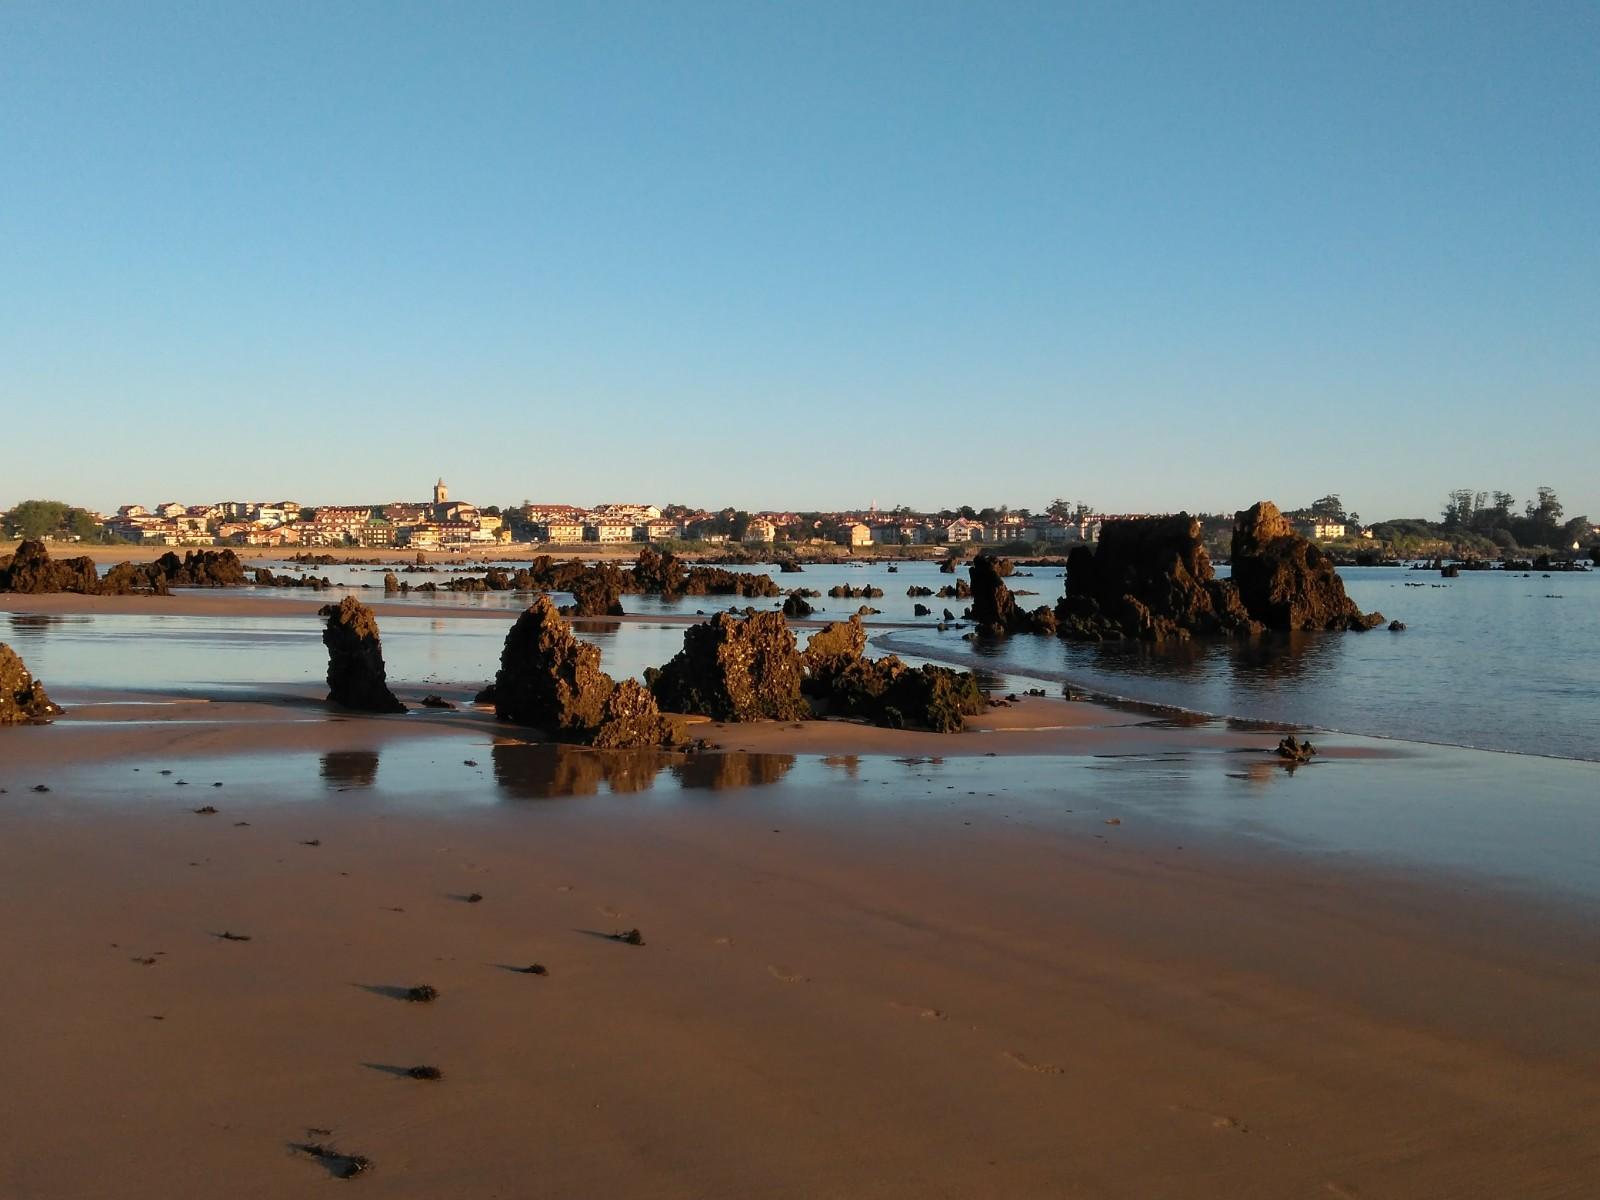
205 810
1293 750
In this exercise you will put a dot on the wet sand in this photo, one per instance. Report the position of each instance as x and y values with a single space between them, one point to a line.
854 982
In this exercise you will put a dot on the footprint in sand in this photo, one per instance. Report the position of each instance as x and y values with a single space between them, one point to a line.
563 888
1344 1191
1027 1064
722 941
606 910
785 975
919 1010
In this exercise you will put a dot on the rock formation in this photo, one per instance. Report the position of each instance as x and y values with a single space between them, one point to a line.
22 697
356 676
31 572
734 670
841 680
550 680
1286 581
795 606
1151 578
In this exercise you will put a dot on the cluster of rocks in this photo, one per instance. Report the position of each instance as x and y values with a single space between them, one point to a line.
1151 579
842 681
550 680
22 697
31 570
843 591
264 577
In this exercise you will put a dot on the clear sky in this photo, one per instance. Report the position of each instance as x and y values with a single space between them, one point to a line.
803 255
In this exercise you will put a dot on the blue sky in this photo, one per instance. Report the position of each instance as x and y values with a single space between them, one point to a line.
804 255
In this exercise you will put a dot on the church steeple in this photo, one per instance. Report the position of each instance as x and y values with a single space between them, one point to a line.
441 494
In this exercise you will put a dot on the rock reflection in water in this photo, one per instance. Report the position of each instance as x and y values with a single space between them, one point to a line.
30 625
540 771
350 768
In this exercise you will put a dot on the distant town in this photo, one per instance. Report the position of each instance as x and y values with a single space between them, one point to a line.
1481 524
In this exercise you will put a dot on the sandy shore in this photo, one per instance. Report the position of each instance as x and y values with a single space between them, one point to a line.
839 995
1074 952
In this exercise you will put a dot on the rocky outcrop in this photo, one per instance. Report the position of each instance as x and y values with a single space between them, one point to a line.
1149 578
32 572
795 606
22 697
842 681
1286 581
630 719
391 583
550 680
356 677
734 670
597 594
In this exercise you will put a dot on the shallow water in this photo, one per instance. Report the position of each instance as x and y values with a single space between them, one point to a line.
1512 823
1490 660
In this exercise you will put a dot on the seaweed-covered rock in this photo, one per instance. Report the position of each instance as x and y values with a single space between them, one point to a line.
22 697
843 681
630 719
1285 581
597 594
548 678
734 670
356 677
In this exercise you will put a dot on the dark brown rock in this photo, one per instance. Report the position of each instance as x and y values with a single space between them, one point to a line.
630 719
31 572
548 678
1286 581
795 606
356 676
1149 578
22 697
734 670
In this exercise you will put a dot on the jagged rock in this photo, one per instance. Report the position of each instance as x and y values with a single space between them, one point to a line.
630 719
843 591
22 697
832 649
597 594
391 582
884 691
921 610
1397 626
993 609
734 670
31 572
548 678
796 606
948 565
356 676
1285 581
914 590
1149 578
788 566
961 591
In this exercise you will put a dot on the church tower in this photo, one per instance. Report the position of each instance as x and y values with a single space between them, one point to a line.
441 494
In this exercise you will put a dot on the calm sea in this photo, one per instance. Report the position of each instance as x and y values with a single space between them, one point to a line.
1489 660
